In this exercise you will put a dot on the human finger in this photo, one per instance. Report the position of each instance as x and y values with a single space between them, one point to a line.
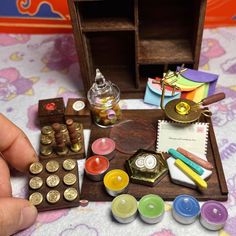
5 184
15 146
15 214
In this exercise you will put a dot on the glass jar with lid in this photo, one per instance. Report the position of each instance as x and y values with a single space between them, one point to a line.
104 97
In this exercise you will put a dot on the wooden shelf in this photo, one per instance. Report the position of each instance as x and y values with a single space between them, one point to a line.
107 24
147 37
154 51
121 75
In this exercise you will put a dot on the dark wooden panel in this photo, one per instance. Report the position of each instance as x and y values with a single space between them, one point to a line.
165 51
166 19
217 189
107 24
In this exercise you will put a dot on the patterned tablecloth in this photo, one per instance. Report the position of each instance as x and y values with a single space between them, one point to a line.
34 67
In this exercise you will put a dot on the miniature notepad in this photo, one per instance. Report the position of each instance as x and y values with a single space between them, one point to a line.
192 137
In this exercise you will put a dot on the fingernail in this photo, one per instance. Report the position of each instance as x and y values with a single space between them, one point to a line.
28 216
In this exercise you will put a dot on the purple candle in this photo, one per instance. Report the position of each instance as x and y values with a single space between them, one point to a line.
213 215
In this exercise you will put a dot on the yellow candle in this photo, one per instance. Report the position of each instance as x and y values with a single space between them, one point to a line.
116 181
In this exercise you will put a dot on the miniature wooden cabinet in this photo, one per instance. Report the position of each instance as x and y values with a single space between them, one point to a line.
131 40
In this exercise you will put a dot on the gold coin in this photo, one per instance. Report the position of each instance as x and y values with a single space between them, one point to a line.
70 194
36 182
69 179
69 164
77 126
63 128
76 147
52 181
45 150
36 198
52 166
46 130
53 196
36 168
46 139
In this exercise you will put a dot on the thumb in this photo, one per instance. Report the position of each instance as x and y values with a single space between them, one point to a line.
15 214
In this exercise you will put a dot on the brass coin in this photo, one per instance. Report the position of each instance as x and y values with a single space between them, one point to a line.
63 128
53 196
79 137
45 150
76 147
69 179
46 130
36 198
52 181
69 164
52 166
77 126
36 168
70 194
36 182
46 139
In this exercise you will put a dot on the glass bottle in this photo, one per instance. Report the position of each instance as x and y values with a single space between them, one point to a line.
103 98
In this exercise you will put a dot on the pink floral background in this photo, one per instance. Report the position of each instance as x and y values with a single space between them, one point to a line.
34 67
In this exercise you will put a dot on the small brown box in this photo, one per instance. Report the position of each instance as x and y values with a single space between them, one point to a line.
54 177
77 110
51 111
49 151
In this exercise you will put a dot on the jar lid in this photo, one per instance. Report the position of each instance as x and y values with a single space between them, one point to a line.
103 91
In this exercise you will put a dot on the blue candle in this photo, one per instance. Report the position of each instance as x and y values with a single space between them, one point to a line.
185 209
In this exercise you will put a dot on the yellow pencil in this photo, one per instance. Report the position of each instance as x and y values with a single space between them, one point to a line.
202 184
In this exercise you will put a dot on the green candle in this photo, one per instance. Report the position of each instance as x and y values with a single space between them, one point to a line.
151 208
124 208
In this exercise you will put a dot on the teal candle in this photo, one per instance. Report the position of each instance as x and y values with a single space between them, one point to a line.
151 208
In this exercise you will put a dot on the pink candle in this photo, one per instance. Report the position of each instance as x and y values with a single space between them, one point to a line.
104 147
96 167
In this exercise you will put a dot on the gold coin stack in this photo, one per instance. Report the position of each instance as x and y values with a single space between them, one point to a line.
54 184
62 140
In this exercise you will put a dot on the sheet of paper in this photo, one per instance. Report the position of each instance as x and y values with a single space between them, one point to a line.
192 137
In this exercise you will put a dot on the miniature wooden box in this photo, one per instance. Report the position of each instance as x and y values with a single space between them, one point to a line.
51 111
132 40
59 143
77 110
54 184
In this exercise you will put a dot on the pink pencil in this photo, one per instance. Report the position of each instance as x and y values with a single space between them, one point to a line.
196 159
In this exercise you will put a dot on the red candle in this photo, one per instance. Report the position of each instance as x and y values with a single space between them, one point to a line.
96 167
105 147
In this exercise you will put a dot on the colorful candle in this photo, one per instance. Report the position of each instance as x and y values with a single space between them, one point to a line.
151 208
116 182
104 147
96 167
124 208
213 215
185 209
